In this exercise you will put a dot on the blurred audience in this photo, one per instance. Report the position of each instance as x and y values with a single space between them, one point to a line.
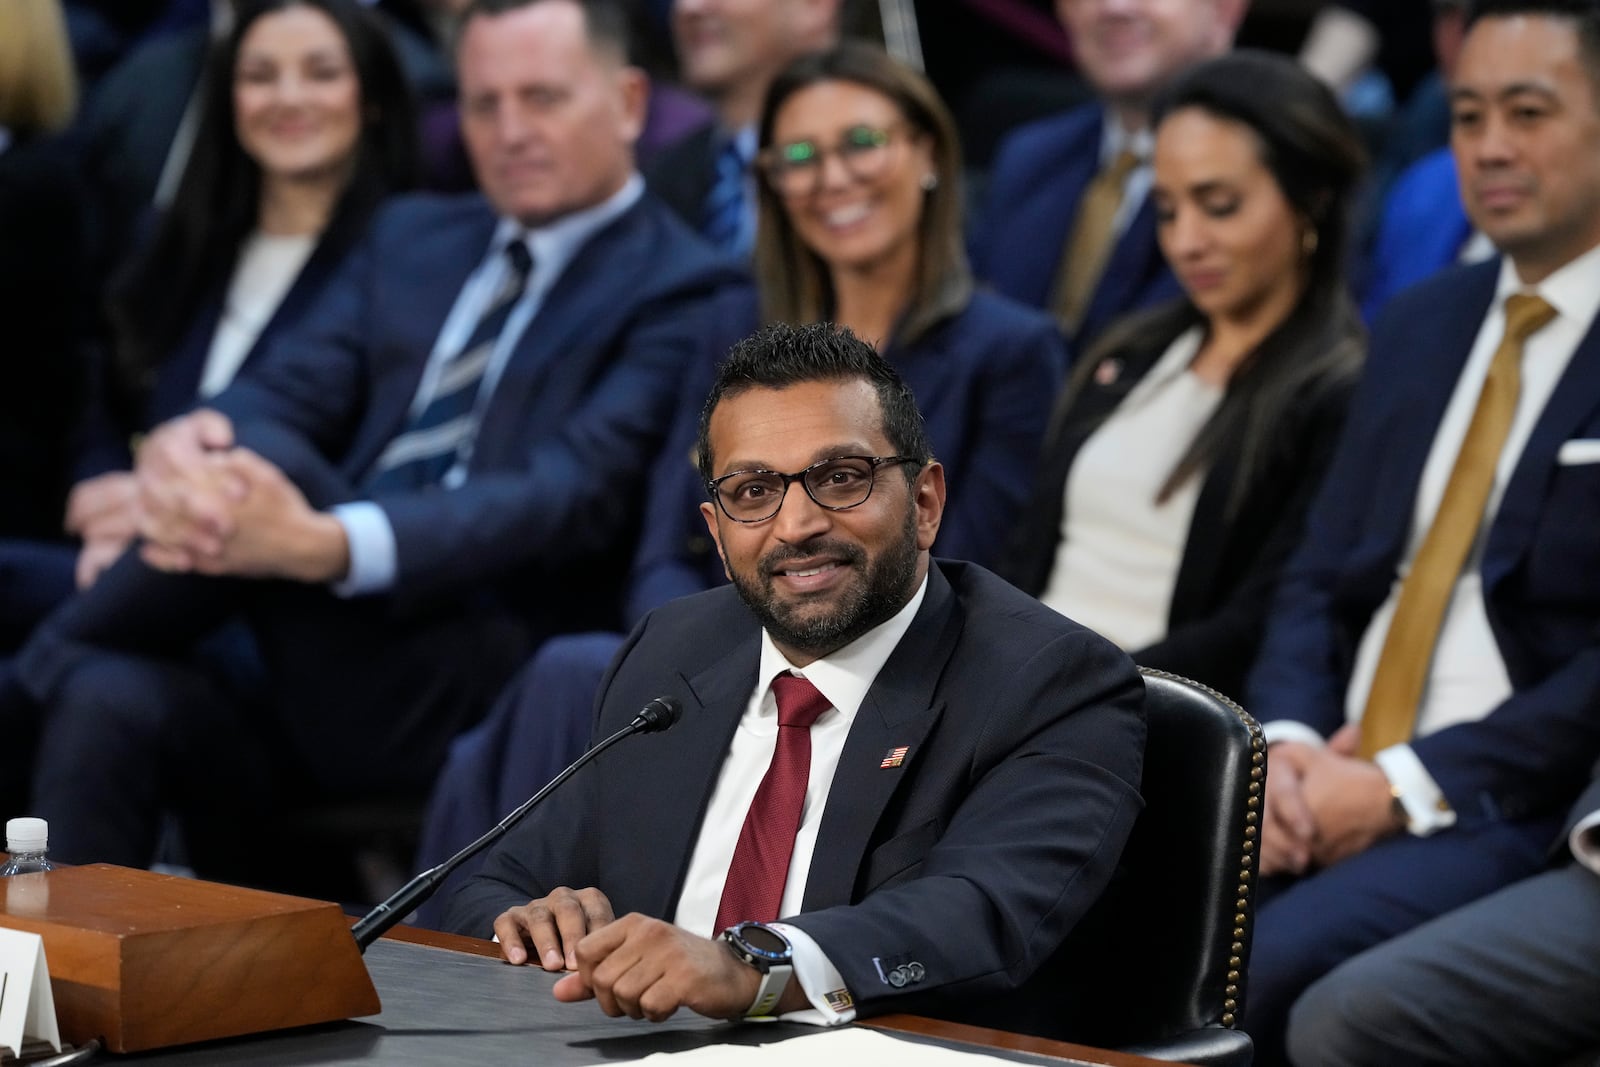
43 281
1422 227
434 469
860 225
1428 681
729 51
1067 223
305 125
1183 457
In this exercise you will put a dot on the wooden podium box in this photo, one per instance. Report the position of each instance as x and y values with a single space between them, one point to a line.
142 960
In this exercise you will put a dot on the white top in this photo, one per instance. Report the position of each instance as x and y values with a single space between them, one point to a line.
1120 550
844 677
268 265
1467 678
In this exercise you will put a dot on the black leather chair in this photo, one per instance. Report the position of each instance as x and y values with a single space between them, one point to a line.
1157 967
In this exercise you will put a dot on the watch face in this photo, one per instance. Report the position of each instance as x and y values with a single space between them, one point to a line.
767 942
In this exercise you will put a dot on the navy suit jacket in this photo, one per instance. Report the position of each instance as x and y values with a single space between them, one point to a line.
984 380
1031 199
974 857
575 419
1540 566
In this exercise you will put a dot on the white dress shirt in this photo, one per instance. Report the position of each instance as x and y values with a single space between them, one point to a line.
1467 678
366 527
843 677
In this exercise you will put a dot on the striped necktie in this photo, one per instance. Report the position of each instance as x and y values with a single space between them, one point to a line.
442 432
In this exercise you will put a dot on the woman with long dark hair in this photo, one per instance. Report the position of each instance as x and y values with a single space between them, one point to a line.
305 125
1186 449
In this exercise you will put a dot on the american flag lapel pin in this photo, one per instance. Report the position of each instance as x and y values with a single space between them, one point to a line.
895 757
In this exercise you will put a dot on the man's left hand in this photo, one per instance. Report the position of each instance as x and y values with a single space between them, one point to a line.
1351 802
647 969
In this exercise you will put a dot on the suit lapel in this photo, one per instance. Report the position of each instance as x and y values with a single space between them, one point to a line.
694 749
899 711
1573 400
553 359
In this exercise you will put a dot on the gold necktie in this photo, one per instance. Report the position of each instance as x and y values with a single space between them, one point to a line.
1402 673
1089 246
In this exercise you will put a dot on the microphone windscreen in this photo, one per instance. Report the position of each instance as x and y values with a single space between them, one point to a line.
660 714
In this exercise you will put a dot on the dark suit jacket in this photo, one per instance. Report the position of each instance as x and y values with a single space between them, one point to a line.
974 857
118 411
45 299
682 174
1231 559
1030 202
538 538
984 379
1540 565
576 417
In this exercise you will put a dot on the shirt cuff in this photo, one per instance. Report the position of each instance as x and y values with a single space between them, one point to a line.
1289 730
372 549
1427 811
834 1006
1585 841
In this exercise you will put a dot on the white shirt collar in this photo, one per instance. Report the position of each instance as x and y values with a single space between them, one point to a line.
1572 289
845 675
1114 140
554 244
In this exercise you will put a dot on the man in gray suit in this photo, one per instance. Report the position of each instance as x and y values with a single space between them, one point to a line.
1512 978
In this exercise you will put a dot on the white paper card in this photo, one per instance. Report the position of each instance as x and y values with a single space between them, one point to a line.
27 1007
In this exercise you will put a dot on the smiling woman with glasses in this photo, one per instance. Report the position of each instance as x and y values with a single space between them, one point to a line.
860 224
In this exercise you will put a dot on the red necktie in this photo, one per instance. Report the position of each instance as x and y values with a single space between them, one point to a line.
754 889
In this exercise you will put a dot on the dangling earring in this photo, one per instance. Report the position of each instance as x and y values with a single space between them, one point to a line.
1308 242
930 182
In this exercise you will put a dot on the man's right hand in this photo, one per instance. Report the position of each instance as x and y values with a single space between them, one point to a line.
1288 827
186 492
553 925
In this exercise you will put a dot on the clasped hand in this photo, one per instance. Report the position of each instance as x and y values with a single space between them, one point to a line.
635 966
209 507
1322 804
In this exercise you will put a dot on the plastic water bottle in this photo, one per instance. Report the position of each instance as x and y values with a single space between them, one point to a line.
26 840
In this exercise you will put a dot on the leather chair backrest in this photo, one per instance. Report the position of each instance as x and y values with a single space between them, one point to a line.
1164 951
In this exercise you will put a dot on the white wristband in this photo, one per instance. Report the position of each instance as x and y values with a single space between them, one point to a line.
773 982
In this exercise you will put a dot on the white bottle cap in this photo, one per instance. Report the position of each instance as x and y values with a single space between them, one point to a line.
26 835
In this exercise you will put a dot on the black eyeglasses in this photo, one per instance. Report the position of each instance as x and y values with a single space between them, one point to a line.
795 169
837 484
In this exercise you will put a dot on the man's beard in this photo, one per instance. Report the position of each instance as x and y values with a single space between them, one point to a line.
885 586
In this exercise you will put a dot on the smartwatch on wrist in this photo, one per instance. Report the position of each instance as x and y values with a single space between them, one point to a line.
769 952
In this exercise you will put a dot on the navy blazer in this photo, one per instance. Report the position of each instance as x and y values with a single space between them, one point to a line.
1540 565
974 857
575 419
984 380
1239 536
1040 174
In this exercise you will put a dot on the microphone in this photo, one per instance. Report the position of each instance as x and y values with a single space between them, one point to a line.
658 715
